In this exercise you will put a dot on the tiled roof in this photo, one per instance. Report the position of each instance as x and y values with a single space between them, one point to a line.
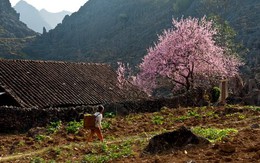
50 83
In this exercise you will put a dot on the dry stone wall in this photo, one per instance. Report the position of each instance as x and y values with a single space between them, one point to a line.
22 119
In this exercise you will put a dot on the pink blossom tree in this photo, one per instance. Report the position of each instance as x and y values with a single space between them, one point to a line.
121 75
124 75
187 55
125 81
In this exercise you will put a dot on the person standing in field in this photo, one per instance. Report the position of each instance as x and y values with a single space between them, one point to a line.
97 129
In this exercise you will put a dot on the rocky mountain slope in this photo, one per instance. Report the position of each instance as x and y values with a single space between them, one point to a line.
103 31
31 16
53 18
121 30
10 26
14 34
36 19
106 31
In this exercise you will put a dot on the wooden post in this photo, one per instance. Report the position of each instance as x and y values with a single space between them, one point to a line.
223 91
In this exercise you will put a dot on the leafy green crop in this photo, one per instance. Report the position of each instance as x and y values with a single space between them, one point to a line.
106 125
73 127
109 115
110 152
53 127
158 120
40 137
213 134
193 114
37 160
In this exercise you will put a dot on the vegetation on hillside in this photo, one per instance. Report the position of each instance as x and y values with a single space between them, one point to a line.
120 30
117 30
105 31
10 26
14 34
10 48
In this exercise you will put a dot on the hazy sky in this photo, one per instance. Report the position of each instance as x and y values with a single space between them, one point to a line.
55 5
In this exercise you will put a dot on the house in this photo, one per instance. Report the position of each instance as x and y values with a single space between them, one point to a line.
28 83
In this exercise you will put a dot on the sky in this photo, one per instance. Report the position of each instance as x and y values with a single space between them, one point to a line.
54 5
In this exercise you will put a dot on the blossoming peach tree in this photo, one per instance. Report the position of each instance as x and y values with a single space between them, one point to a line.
187 55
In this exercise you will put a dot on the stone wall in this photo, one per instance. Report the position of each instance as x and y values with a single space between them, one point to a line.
251 93
22 119
143 106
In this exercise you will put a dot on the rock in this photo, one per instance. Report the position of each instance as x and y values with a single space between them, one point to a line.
253 148
70 138
33 132
79 138
157 159
255 126
215 146
228 159
233 100
81 133
227 148
175 140
209 153
257 155
28 142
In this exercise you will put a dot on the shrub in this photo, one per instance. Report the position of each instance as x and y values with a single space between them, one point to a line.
215 93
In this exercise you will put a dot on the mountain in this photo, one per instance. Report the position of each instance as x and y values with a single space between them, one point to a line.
105 31
122 30
53 18
10 25
36 19
31 16
14 34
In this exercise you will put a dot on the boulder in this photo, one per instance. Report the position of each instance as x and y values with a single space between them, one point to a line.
179 139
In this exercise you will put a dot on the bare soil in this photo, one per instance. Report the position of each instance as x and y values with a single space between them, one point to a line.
140 128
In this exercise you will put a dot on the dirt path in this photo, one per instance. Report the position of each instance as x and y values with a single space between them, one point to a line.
18 156
23 155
